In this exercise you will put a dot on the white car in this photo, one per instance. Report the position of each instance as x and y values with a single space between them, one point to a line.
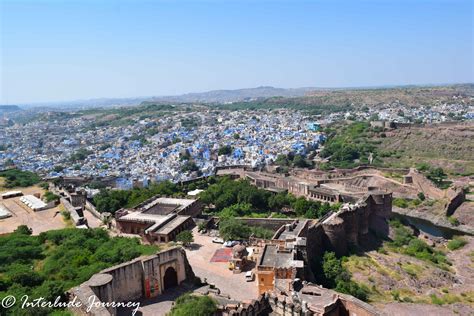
218 240
231 243
249 276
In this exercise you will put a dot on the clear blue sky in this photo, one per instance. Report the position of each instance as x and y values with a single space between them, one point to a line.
67 50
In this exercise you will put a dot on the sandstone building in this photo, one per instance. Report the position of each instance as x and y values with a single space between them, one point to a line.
158 219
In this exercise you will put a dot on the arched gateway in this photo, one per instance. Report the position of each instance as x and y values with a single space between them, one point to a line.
170 279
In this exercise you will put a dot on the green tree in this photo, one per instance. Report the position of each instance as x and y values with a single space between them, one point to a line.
58 168
282 160
189 304
421 196
186 237
332 268
300 162
225 150
189 166
337 277
50 196
19 178
233 229
437 175
23 230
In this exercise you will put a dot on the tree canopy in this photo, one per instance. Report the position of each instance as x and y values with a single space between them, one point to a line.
53 262
348 145
186 237
241 199
19 178
113 200
234 229
335 276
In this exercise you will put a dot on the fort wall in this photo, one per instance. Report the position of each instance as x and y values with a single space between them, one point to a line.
268 223
144 277
349 226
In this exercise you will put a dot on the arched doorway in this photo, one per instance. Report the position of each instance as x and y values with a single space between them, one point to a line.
171 278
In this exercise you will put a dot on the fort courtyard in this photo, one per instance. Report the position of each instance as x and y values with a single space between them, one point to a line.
218 273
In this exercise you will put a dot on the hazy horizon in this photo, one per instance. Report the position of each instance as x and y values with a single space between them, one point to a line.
387 86
53 51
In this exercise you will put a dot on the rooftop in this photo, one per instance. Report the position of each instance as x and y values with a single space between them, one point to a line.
9 193
291 231
171 225
4 212
272 257
163 205
32 201
317 298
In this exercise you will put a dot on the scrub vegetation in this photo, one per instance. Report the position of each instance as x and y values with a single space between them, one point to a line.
55 261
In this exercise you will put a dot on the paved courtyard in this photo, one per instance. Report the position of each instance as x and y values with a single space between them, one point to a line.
218 273
40 221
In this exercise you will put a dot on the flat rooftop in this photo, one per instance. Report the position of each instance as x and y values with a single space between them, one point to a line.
143 217
32 202
290 234
4 212
11 193
160 224
316 297
163 206
271 257
262 176
172 225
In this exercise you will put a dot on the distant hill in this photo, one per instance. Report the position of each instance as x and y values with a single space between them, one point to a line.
223 96
9 108
272 97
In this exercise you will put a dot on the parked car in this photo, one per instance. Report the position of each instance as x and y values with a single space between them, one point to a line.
231 243
249 276
218 240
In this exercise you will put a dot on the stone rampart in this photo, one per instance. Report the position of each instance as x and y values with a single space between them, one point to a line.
144 277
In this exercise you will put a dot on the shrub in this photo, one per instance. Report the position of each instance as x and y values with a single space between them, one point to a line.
407 243
202 226
186 237
436 300
453 221
456 243
396 295
421 196
19 178
50 196
66 215
189 304
337 277
400 202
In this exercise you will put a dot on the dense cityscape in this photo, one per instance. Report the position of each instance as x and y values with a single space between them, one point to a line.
182 145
